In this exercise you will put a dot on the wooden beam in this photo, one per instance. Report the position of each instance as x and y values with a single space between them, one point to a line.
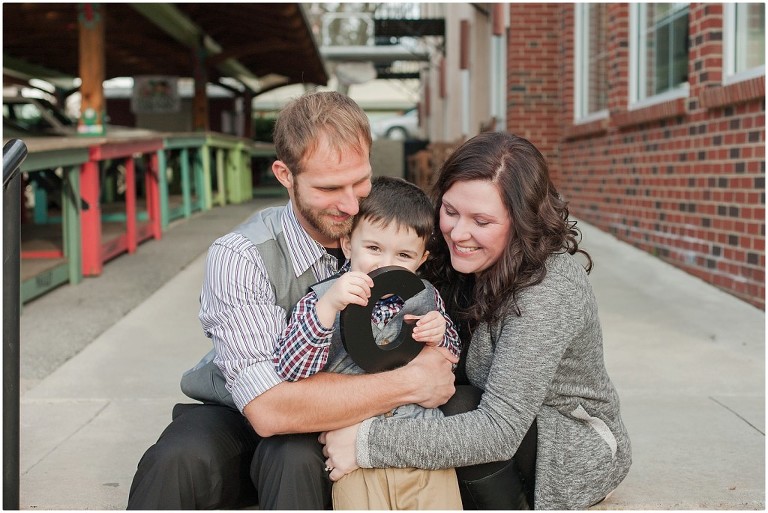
24 70
175 23
248 50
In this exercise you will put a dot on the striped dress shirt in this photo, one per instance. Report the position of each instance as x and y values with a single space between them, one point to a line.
237 305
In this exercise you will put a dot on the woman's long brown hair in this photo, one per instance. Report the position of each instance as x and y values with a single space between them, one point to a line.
539 226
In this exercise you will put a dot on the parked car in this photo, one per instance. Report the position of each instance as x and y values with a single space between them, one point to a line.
34 116
24 116
405 126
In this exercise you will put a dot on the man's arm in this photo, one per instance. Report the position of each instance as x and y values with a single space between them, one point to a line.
239 315
328 401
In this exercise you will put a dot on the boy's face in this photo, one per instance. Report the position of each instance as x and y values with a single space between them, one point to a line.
371 246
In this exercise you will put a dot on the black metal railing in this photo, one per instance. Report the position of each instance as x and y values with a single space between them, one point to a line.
14 153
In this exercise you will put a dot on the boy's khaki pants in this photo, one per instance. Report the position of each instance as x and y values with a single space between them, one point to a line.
397 488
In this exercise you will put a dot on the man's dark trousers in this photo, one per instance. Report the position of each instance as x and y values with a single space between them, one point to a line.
209 457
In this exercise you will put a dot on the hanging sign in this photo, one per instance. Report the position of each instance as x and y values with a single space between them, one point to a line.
155 95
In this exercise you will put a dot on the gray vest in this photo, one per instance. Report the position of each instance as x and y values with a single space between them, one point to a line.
341 363
205 382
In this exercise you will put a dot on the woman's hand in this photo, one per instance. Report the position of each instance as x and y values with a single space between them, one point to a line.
339 450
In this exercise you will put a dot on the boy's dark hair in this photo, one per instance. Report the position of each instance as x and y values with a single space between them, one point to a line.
394 199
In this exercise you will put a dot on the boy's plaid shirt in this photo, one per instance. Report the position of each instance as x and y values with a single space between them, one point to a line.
303 348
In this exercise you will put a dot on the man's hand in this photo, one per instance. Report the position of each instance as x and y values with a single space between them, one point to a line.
430 328
340 451
431 373
352 287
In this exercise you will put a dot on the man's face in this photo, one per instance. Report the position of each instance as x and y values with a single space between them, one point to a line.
327 192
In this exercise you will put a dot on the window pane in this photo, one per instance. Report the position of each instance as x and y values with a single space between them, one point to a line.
666 47
657 12
679 51
598 59
750 36
591 60
661 59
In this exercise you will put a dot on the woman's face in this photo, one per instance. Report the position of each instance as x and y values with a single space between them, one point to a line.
475 225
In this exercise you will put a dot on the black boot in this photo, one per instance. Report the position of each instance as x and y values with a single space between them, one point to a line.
502 490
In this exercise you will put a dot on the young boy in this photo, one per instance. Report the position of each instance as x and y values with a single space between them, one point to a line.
391 228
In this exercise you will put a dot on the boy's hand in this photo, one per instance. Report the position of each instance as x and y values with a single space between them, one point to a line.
430 328
352 287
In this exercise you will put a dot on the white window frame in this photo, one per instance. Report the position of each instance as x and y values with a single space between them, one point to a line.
730 30
581 67
637 62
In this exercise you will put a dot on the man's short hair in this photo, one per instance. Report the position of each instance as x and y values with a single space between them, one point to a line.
306 120
396 200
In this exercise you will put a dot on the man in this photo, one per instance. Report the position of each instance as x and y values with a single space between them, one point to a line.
223 454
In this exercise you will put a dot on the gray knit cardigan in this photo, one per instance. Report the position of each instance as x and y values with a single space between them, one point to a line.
546 364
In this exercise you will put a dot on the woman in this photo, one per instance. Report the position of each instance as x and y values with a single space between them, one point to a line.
547 432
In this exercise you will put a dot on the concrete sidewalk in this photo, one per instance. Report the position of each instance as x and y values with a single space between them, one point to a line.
688 361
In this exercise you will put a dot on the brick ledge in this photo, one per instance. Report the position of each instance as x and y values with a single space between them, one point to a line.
656 112
720 96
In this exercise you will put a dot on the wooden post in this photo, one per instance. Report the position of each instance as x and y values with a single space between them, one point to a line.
162 185
205 182
465 78
90 219
92 69
498 19
152 188
441 88
464 45
70 216
221 183
186 184
247 114
130 204
200 101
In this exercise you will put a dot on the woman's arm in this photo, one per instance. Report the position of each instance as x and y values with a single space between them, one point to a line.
327 401
519 371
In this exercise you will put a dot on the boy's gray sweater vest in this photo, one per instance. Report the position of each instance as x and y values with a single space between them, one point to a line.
341 363
205 381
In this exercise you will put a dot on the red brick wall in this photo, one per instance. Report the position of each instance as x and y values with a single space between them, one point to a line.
534 85
683 180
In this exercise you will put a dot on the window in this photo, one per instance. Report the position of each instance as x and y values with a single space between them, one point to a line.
658 52
591 62
744 41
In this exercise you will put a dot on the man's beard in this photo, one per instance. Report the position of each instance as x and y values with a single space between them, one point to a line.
321 223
